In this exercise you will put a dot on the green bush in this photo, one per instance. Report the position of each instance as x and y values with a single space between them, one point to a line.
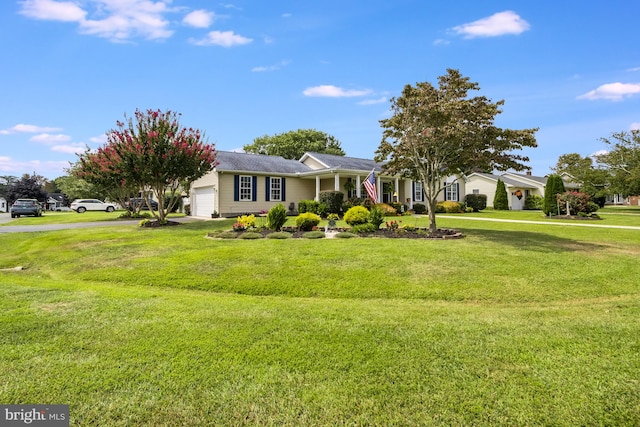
356 215
308 206
376 217
476 202
387 210
313 235
501 199
333 201
419 208
363 228
533 202
279 235
307 221
397 207
276 217
449 206
578 203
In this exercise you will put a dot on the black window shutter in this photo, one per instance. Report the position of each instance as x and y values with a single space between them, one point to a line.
283 196
458 191
254 189
413 190
236 188
267 195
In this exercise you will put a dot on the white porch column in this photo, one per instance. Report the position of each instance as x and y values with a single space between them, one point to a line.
397 189
358 185
317 188
379 187
336 185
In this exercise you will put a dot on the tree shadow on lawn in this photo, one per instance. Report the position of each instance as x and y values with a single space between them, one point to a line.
539 242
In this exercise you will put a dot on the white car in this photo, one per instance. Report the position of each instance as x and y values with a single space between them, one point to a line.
83 205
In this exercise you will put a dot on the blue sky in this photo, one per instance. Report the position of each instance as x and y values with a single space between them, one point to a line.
239 70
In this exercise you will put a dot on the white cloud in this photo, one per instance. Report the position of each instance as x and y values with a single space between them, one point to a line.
373 101
22 128
100 139
117 20
598 153
199 19
634 69
441 42
222 38
635 126
612 91
53 10
498 24
75 148
45 138
330 91
262 69
9 166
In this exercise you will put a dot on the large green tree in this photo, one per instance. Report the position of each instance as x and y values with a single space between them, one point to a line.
150 152
581 170
293 144
27 187
622 160
501 198
436 132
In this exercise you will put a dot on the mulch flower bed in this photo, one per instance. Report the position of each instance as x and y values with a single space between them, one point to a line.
418 233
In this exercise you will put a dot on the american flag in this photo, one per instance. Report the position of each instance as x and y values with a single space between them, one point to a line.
370 186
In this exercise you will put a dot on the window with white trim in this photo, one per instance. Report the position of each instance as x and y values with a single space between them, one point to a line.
276 189
417 191
245 188
452 192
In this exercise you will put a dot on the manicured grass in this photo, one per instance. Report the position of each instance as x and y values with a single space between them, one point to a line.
516 324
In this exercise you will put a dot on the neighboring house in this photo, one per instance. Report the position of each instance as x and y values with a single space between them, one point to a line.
3 205
252 183
55 202
519 186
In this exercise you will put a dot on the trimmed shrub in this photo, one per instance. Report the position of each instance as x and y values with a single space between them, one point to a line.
477 202
397 206
333 200
501 199
276 217
307 221
356 215
314 235
363 228
449 207
376 217
281 235
419 208
533 202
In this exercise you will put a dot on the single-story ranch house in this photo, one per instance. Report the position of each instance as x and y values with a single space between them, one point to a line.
253 183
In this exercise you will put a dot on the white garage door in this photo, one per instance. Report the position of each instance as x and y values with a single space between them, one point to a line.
203 201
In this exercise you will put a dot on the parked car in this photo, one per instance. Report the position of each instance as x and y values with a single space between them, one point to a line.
25 207
83 205
139 203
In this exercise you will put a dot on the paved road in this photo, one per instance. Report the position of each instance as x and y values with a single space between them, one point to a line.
6 218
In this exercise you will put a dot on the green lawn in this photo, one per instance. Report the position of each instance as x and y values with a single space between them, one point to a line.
516 324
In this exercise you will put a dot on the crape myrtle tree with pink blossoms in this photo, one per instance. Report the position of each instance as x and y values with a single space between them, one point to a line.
150 152
436 132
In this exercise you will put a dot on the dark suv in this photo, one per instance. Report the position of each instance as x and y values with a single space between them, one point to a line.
25 207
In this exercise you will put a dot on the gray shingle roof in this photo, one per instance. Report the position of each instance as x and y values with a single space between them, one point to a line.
508 181
333 161
541 179
245 162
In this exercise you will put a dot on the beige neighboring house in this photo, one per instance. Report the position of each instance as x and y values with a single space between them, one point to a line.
519 186
252 183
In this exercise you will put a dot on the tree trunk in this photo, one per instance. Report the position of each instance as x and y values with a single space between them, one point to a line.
431 206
